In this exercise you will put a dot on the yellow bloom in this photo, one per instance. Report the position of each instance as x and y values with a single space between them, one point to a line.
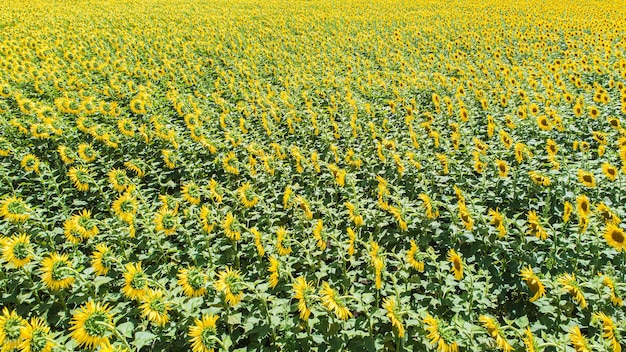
535 285
608 330
125 207
568 281
30 163
37 337
583 207
246 195
457 264
166 221
203 334
281 233
534 227
303 292
529 340
428 206
414 258
539 179
567 211
334 303
135 282
17 250
578 340
80 177
609 282
258 241
494 331
14 209
86 152
191 193
318 234
118 179
615 237
229 282
503 168
438 336
586 178
193 282
390 305
609 171
12 328
101 259
155 307
231 227
56 272
497 220
274 271
92 325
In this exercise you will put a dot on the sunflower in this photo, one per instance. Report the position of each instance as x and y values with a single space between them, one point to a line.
457 264
125 207
203 334
17 250
102 259
506 139
539 179
503 168
393 313
14 210
615 237
413 257
281 233
608 330
70 231
274 270
191 193
303 291
230 284
37 337
594 112
567 211
493 328
568 282
247 196
610 283
30 163
534 226
438 335
92 325
135 166
86 152
168 202
230 225
354 215
351 240
84 225
578 340
193 282
529 340
258 241
155 308
609 171
55 272
497 220
607 214
12 328
544 123
533 282
166 221
583 207
334 303
586 178
318 234
118 179
551 147
80 177
135 282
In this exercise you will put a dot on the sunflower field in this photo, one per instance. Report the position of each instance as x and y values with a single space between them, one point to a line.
273 175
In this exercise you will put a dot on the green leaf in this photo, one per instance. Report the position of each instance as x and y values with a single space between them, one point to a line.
143 338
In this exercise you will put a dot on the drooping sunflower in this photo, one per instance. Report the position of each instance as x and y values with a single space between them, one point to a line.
80 177
539 179
92 325
568 282
610 283
101 259
586 178
56 272
493 328
193 281
393 313
583 206
229 282
258 241
274 270
37 337
231 227
203 334
14 209
30 163
457 264
155 307
333 302
534 226
246 195
191 193
135 281
503 168
497 220
529 341
608 330
11 330
438 335
281 234
533 282
303 291
318 234
578 340
567 211
125 207
17 250
414 257
615 237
